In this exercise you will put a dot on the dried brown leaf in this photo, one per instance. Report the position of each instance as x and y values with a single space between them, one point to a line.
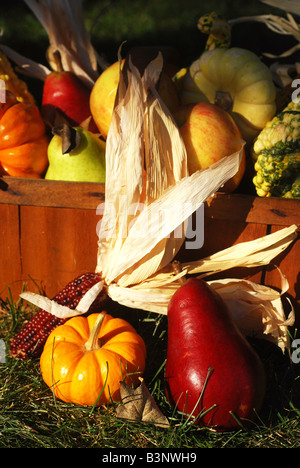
138 405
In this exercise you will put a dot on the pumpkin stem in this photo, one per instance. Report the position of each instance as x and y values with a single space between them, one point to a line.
224 100
93 342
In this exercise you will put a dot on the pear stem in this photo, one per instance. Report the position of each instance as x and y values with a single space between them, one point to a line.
93 343
176 265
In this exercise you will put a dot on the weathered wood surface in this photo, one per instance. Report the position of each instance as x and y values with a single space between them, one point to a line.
39 192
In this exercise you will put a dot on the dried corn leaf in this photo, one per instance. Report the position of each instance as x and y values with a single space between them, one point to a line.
278 24
27 66
63 21
63 311
256 309
144 137
253 253
291 6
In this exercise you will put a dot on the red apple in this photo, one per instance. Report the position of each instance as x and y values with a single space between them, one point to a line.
66 94
209 134
63 91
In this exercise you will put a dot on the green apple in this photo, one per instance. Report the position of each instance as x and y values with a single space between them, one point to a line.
76 154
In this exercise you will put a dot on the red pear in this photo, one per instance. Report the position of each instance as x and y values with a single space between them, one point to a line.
212 372
65 93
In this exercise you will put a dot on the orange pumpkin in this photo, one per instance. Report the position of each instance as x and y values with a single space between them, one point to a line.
85 359
23 142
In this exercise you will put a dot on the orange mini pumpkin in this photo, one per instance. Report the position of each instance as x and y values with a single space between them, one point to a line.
85 359
23 142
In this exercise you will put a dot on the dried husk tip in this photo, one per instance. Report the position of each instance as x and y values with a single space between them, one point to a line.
282 71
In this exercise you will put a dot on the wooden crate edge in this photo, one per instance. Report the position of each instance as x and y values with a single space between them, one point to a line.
50 193
252 209
88 195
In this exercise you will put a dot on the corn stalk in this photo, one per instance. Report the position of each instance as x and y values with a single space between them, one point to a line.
63 20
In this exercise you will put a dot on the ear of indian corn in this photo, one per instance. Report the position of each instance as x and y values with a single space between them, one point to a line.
14 84
30 340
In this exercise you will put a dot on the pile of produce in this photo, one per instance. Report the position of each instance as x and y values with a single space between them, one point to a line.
226 95
158 140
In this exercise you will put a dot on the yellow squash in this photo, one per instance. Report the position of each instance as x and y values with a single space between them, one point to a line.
238 81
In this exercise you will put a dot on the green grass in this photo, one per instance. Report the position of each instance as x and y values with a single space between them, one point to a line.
31 417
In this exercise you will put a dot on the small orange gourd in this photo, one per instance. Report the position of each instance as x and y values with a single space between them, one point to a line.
85 359
23 142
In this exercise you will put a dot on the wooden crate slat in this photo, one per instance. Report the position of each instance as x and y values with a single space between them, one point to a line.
57 245
251 209
85 195
39 192
10 255
289 264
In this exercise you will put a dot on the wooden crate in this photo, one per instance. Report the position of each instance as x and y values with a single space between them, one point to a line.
48 233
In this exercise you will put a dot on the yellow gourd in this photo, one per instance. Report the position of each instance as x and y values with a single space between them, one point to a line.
238 81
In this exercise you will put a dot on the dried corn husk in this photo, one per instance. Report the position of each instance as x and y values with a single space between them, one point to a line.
291 6
278 24
63 21
257 309
255 253
146 177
